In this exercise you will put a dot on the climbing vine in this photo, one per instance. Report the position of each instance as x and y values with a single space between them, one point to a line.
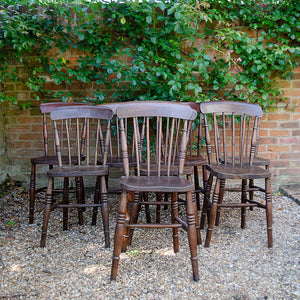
187 50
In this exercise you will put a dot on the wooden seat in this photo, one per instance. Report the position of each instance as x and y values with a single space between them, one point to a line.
49 158
231 147
159 118
84 133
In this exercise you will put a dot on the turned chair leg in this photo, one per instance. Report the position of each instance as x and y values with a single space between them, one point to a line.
221 197
213 212
47 211
174 215
192 235
32 193
268 200
206 201
243 200
119 235
104 210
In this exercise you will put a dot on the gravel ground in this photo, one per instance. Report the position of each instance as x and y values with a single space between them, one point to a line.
75 264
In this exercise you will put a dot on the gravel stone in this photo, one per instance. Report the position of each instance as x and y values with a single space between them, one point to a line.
75 264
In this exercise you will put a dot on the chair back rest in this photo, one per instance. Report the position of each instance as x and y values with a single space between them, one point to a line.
160 131
115 141
233 139
84 132
46 108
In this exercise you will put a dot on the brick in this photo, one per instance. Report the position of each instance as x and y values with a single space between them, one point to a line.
28 136
296 132
280 132
279 148
284 84
290 171
291 92
280 164
290 140
290 156
296 116
295 148
279 117
24 120
21 144
290 125
268 140
267 124
263 133
270 155
295 84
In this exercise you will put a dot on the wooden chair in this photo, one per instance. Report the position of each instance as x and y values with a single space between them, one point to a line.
49 158
81 135
165 114
230 155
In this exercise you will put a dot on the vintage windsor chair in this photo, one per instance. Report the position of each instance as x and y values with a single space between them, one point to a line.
230 155
84 133
144 115
49 158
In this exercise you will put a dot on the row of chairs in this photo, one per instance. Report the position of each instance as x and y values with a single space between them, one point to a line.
156 143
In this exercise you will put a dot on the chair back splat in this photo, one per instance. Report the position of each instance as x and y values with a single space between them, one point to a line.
160 134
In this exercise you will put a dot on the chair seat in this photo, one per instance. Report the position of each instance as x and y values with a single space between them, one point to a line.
78 171
164 170
162 184
258 161
52 160
191 161
117 162
238 172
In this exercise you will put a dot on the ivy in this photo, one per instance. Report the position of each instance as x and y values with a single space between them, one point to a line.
184 50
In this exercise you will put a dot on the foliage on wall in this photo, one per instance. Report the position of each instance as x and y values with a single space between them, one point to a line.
187 50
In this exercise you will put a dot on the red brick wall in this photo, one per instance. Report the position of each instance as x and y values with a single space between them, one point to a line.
279 136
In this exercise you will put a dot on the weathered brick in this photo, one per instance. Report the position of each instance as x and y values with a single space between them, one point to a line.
290 140
280 132
295 116
279 116
267 124
290 125
295 84
268 140
280 164
279 148
291 156
289 171
291 92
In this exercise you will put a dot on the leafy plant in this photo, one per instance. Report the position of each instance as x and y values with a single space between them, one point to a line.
169 50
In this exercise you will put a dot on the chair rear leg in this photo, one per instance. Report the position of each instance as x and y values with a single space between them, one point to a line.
47 211
79 199
174 213
222 191
32 193
251 192
213 212
133 218
97 200
119 235
206 200
268 197
244 200
104 211
65 201
192 235
196 184
158 207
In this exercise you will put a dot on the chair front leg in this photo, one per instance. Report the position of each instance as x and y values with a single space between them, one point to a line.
244 200
79 197
119 234
104 210
268 198
47 211
97 200
213 212
192 235
132 216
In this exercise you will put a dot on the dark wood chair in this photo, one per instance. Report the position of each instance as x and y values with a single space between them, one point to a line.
49 158
84 132
148 151
230 155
